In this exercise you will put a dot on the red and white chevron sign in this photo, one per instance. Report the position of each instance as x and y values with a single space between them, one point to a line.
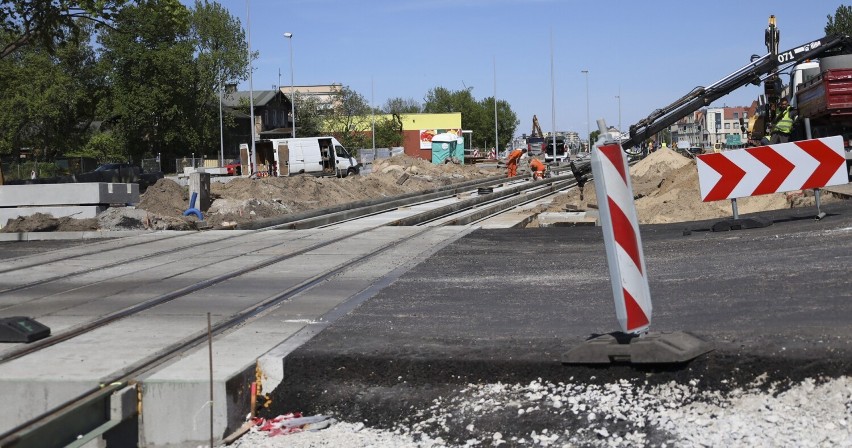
760 170
621 237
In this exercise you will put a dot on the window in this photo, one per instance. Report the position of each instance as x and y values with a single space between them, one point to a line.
727 125
736 115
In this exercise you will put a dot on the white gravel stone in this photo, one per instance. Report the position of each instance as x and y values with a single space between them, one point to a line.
811 413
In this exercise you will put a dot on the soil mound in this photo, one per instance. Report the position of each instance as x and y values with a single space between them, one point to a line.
665 185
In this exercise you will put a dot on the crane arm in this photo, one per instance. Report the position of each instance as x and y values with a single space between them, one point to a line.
769 64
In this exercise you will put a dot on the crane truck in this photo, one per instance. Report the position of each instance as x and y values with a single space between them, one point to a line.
535 141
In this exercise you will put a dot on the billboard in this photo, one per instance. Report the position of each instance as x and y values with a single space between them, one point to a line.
427 134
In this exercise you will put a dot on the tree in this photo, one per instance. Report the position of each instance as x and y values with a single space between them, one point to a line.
477 116
48 101
507 121
309 119
348 118
49 23
401 106
389 131
154 82
841 23
221 58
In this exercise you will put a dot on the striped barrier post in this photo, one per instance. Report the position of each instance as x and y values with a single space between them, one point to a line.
621 237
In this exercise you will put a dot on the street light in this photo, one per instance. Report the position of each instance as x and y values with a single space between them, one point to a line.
618 97
588 132
289 37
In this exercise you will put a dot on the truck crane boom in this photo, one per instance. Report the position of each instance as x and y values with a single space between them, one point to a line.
758 70
536 128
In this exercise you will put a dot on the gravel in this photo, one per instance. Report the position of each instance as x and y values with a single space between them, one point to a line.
812 413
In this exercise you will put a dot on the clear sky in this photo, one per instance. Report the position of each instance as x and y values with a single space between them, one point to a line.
648 52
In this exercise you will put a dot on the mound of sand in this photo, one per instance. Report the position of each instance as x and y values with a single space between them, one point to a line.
665 185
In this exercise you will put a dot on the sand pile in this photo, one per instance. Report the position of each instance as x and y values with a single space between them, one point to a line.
665 185
243 199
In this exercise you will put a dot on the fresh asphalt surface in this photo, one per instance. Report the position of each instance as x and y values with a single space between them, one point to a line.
505 305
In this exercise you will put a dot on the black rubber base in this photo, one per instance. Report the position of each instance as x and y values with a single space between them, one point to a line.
651 348
741 224
21 329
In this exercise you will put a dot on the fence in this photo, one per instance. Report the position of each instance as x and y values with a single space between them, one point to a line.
66 166
198 162
367 155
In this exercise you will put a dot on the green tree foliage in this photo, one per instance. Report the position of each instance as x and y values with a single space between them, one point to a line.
167 65
46 24
221 58
152 78
841 22
389 131
309 119
48 100
347 118
477 116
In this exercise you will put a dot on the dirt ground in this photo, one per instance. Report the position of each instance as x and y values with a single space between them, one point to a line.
665 184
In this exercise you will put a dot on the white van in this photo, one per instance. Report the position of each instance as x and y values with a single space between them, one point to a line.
320 156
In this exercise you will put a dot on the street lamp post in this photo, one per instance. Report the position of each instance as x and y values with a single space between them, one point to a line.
289 37
588 132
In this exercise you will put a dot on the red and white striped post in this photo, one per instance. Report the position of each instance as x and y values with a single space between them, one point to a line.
623 243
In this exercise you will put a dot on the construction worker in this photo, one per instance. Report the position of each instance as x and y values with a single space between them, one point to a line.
536 169
783 125
512 161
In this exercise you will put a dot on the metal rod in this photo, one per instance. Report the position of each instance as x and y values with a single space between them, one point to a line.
734 207
210 355
496 137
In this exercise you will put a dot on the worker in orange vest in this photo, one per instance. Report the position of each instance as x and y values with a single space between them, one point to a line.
512 161
536 169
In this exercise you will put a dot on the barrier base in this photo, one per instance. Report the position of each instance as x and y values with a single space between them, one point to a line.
741 224
651 348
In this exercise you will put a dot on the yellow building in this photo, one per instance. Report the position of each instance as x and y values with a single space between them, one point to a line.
418 130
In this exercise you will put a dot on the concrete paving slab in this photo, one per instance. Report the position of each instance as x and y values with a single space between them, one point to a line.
95 193
562 219
185 385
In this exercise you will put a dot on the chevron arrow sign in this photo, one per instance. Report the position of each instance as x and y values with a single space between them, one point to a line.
761 170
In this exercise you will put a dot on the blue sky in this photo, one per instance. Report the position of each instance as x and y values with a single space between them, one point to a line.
648 52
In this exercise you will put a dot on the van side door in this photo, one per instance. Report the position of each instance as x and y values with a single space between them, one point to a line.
312 157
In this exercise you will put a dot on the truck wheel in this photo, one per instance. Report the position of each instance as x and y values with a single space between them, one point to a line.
352 171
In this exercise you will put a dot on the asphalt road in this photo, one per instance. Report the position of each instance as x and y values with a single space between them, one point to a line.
505 305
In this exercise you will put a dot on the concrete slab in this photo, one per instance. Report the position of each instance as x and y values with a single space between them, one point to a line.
568 219
183 386
68 194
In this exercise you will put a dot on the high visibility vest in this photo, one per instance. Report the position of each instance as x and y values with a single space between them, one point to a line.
785 121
